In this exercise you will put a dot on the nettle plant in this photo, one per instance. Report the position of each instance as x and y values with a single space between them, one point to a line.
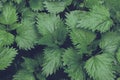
81 37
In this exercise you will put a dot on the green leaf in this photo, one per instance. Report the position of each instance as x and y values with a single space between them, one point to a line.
1 5
6 38
55 39
118 15
52 61
60 34
91 3
115 4
6 57
71 58
97 19
110 42
82 39
47 23
27 14
74 64
36 5
56 6
17 1
47 40
73 17
23 75
9 15
20 6
118 78
26 35
118 55
13 26
52 30
2 27
100 67
29 64
76 73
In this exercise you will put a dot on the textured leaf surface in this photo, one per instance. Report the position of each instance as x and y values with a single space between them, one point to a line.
17 1
26 35
2 27
29 15
110 42
36 4
6 57
81 39
6 38
1 5
55 39
9 15
91 3
73 18
74 64
118 78
52 61
23 75
100 67
56 6
118 15
97 19
115 4
52 30
118 55
47 40
47 23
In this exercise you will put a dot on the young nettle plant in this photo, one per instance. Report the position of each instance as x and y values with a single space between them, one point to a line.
80 37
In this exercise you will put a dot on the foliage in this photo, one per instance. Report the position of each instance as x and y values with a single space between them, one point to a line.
51 61
97 19
100 67
42 38
25 75
74 64
6 57
9 15
23 39
81 39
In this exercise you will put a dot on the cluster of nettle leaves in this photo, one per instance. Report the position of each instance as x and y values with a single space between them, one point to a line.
93 27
